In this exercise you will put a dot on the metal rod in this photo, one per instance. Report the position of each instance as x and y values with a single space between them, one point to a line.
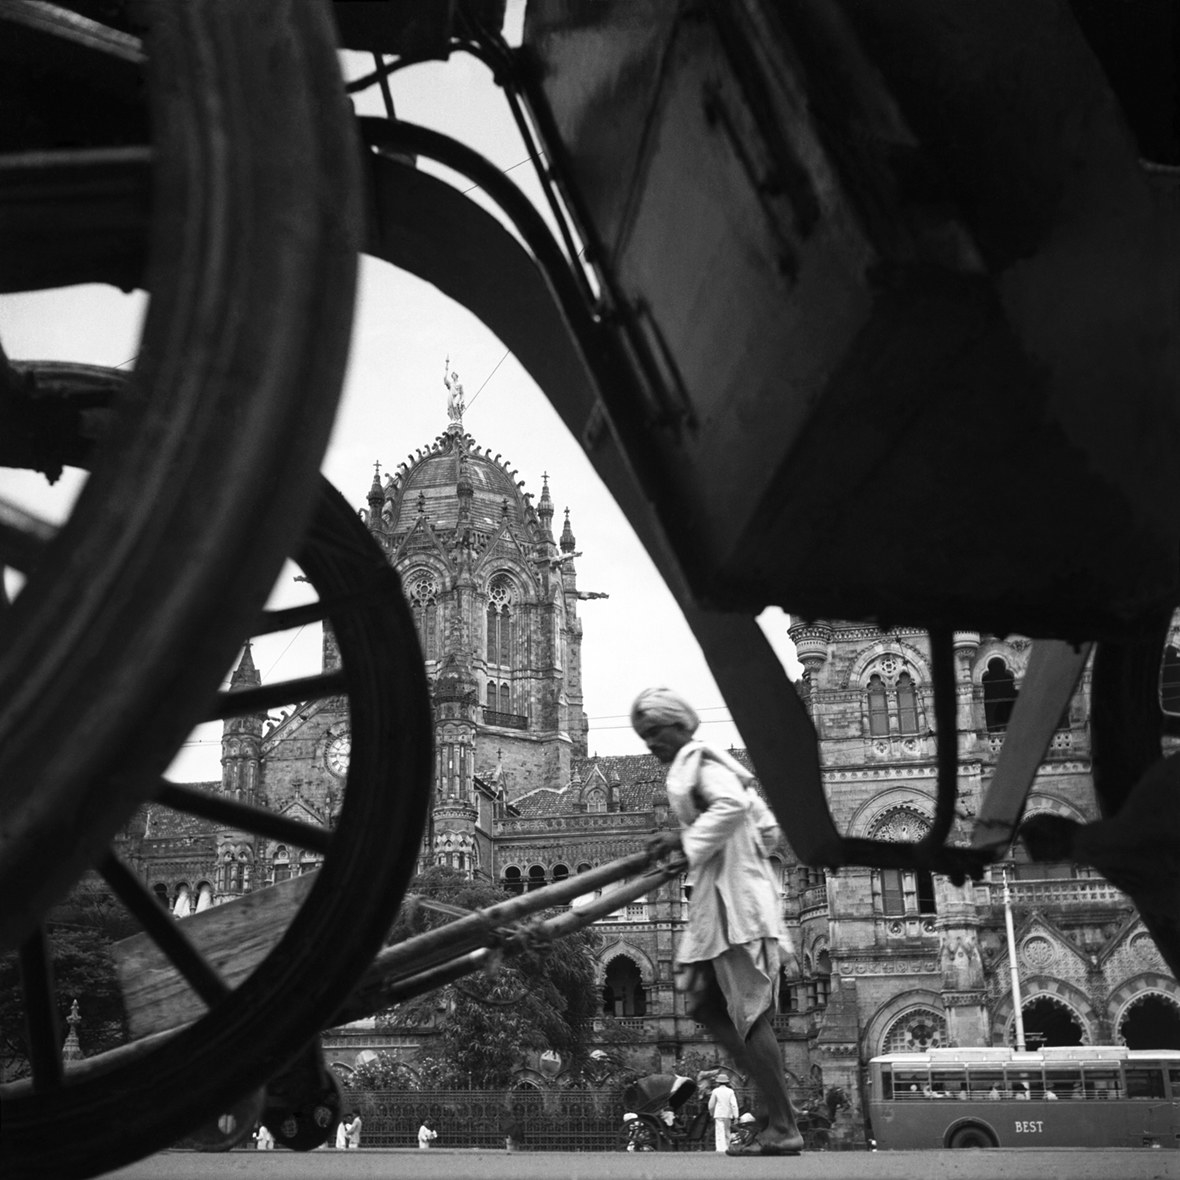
439 947
1017 1002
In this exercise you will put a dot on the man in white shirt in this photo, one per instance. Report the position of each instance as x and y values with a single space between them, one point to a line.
723 1108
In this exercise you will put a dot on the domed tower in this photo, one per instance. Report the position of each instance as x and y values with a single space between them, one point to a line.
494 598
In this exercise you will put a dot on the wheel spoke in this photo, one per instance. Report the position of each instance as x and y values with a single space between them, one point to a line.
285 692
315 612
164 930
23 537
292 617
41 1011
245 817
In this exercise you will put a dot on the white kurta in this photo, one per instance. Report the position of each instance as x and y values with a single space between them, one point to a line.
735 897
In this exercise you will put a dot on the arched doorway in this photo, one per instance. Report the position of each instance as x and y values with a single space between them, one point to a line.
1150 1021
1048 1022
623 994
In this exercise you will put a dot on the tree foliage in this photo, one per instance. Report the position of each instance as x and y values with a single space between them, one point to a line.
535 999
80 931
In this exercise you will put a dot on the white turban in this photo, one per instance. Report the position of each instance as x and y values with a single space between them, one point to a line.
664 707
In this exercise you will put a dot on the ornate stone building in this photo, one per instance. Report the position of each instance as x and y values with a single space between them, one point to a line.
914 960
888 959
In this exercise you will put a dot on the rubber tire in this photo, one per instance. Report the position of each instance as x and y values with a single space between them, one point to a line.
971 1135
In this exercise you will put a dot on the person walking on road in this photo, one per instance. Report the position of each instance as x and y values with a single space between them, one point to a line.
723 1109
734 942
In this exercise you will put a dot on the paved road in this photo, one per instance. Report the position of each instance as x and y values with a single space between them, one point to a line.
411 1164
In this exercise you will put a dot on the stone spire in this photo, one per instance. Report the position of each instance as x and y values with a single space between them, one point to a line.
376 497
245 675
545 508
241 773
567 535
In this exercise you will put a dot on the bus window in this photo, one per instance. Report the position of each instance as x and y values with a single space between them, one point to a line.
910 1083
1025 1083
948 1081
987 1083
1144 1081
1102 1081
1174 1080
1063 1081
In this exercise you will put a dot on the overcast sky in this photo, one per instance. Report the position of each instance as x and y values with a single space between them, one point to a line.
394 401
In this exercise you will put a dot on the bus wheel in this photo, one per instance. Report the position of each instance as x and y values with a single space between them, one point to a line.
971 1136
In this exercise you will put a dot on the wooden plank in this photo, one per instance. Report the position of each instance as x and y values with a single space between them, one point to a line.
1052 675
234 937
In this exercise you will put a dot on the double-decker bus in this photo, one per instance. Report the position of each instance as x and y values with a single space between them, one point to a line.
1080 1096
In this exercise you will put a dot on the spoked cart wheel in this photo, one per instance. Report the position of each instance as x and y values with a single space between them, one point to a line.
127 1103
239 213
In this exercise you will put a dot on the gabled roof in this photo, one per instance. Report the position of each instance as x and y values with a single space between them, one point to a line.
638 779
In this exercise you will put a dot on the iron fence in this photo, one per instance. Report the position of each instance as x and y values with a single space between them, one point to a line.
548 1120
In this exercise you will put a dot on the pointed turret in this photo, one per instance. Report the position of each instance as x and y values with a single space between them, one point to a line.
567 535
376 498
245 675
545 508
241 772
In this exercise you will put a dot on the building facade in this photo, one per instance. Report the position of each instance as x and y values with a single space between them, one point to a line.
888 959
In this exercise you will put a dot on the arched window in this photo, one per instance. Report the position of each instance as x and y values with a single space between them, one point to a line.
512 880
596 800
282 864
878 708
583 867
624 990
536 877
560 872
898 892
818 988
907 704
891 697
915 1031
505 699
500 621
161 892
493 702
999 695
423 597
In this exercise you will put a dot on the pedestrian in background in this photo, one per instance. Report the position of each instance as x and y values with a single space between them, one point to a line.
426 1134
723 1109
734 943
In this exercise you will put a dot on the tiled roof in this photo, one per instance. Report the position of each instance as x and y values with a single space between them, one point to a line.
165 823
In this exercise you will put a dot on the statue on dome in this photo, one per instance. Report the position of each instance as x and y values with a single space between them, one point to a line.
455 402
